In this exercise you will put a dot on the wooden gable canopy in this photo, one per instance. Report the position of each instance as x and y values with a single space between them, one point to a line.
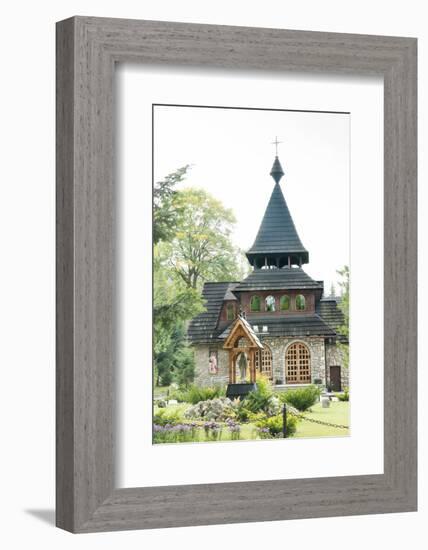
241 328
242 339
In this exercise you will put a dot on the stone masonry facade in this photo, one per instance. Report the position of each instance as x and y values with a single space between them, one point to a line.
202 374
319 353
334 356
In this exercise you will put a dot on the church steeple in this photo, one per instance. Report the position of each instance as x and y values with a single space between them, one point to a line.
277 243
277 172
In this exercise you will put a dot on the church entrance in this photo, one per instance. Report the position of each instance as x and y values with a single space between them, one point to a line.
335 378
297 364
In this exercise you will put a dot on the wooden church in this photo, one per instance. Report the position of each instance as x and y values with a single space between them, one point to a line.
276 321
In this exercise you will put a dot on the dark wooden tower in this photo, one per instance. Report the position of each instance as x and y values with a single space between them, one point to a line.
277 243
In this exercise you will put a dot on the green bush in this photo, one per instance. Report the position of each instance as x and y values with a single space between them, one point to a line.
272 426
242 413
167 416
261 400
195 394
301 398
343 396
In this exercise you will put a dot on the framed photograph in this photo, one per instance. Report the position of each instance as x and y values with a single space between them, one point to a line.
236 274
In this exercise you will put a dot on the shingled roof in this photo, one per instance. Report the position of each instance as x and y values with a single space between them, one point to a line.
278 279
202 328
277 235
288 325
205 327
328 309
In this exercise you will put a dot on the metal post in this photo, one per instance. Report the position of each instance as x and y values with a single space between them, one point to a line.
284 421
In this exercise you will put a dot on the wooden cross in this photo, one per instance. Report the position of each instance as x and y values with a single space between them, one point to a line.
276 143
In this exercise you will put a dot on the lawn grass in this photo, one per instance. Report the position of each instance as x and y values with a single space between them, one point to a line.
337 413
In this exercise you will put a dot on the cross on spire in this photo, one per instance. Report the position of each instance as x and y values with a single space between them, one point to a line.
276 143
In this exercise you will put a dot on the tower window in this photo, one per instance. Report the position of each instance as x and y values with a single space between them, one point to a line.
270 303
230 312
284 303
300 302
255 303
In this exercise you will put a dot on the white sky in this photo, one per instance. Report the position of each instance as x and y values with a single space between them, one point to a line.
231 154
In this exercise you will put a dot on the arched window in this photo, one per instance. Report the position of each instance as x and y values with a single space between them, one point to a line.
263 361
255 303
270 303
284 303
300 302
230 312
297 364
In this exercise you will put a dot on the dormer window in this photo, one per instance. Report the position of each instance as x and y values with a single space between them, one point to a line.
270 303
284 303
300 302
230 312
255 303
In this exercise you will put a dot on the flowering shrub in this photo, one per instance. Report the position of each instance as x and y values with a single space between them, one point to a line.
212 431
178 433
217 409
234 428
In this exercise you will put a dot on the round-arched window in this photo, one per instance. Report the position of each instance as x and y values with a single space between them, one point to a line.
284 303
255 303
300 302
270 303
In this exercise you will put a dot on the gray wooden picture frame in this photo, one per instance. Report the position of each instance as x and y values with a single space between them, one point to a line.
87 50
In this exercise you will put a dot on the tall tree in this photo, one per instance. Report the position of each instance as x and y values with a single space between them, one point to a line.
344 307
202 248
165 208
191 232
173 305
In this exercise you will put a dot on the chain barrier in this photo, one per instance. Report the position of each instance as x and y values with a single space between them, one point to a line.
295 412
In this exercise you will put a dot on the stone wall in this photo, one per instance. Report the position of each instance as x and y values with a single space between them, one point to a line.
202 375
334 357
278 347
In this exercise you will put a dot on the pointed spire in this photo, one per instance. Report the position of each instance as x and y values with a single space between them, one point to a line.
277 172
277 242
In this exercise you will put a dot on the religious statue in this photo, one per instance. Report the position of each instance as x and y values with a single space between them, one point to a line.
242 364
212 364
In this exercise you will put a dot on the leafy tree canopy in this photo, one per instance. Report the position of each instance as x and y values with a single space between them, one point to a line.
165 209
192 236
202 249
344 306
